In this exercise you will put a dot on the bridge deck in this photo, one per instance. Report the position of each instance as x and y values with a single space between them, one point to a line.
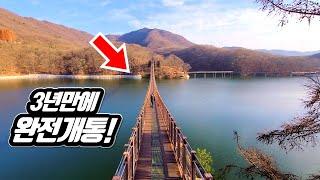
157 148
156 157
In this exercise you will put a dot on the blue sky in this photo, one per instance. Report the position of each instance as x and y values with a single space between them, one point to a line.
217 22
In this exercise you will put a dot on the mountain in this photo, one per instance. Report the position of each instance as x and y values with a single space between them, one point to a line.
232 47
208 57
156 39
31 46
30 30
113 37
316 56
288 53
243 61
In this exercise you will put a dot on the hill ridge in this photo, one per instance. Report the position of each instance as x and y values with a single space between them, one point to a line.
155 39
31 29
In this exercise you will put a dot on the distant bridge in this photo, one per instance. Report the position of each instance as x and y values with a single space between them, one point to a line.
157 148
229 74
302 73
213 74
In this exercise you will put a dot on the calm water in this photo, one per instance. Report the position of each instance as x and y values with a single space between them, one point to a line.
208 110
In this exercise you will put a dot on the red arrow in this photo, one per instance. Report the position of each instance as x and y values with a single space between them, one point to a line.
116 58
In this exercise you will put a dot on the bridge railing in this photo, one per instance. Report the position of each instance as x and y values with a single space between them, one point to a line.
188 162
186 157
128 163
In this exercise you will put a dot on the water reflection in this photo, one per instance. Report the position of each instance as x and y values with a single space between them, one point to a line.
208 110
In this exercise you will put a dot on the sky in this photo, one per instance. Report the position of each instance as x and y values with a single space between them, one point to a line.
215 22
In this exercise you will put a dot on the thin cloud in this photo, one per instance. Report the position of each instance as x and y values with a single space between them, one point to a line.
105 3
172 2
211 23
34 2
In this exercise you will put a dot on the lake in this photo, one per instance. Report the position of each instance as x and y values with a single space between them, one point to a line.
208 111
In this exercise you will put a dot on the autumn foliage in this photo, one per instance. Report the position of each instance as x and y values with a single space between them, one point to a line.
7 35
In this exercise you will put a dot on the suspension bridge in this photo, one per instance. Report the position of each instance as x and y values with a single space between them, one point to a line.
157 148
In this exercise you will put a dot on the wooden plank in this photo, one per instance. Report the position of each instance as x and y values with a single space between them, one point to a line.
143 170
156 157
170 163
144 165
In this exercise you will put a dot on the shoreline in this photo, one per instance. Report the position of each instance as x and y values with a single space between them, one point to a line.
51 76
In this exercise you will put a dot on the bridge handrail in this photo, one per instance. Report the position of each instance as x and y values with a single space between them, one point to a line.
132 148
190 167
178 136
202 72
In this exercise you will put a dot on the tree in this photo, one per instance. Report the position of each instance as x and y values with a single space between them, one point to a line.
205 159
260 164
303 130
304 9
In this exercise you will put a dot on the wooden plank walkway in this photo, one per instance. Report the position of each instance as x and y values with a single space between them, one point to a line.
150 154
170 164
144 162
156 156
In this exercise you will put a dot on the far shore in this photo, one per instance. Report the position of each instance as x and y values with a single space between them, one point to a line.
51 76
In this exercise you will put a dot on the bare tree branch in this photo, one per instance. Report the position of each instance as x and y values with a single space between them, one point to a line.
260 163
305 9
302 130
314 177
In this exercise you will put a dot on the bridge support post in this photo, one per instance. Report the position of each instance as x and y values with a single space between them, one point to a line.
174 136
184 155
178 144
140 133
193 158
167 121
126 162
135 146
132 160
116 178
170 130
208 176
138 137
129 159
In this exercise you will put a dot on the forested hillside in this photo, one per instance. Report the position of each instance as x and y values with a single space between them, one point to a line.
157 40
30 46
316 56
36 44
207 57
244 61
88 61
288 53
